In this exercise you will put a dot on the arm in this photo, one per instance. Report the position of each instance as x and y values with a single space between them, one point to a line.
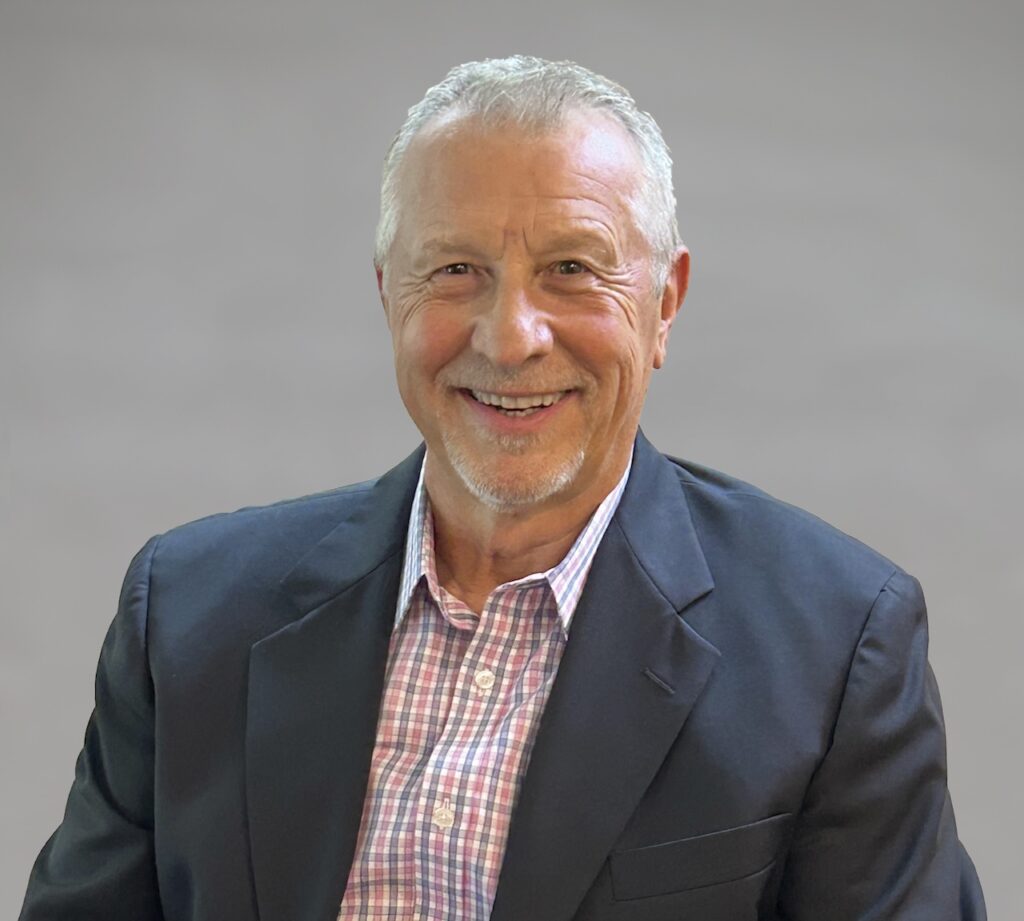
100 861
876 837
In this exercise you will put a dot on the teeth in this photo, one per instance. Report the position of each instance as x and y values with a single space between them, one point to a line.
533 402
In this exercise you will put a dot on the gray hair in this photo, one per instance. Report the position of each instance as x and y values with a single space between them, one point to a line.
538 94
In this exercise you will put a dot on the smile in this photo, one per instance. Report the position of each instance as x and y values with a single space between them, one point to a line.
517 406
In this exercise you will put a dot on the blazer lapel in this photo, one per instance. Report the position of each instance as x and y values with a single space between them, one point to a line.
631 672
313 700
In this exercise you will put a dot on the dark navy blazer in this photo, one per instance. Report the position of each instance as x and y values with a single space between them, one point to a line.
744 724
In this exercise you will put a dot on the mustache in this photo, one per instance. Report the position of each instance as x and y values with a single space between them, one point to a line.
495 380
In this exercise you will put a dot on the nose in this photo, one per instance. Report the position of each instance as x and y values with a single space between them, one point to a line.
511 329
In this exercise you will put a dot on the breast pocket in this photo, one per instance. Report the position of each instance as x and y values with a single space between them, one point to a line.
705 860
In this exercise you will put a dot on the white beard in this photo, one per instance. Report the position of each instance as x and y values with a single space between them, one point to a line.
498 494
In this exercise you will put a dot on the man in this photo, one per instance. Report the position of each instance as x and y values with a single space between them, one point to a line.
537 671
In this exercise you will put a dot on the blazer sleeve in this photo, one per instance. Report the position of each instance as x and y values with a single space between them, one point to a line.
99 863
876 837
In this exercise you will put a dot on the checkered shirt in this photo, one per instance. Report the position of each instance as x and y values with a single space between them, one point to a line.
463 696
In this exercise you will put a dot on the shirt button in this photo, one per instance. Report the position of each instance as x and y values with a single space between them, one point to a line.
484 679
443 815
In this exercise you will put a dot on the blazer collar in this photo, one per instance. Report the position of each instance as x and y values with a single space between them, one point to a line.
374 529
652 513
656 522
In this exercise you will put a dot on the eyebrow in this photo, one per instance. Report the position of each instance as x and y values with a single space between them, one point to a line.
589 240
571 241
434 248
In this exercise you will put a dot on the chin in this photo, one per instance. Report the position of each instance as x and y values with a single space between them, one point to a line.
502 483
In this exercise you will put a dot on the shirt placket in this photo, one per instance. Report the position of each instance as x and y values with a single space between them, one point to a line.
461 761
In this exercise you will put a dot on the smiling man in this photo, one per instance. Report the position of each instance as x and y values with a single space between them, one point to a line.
538 671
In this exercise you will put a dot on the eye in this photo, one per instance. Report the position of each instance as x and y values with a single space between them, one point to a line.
456 268
569 267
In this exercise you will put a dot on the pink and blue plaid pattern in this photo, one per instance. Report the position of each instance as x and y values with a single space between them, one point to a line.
463 696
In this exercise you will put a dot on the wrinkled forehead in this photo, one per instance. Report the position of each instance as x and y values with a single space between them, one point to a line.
461 169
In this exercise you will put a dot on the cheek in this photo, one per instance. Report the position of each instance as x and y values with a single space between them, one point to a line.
607 346
428 341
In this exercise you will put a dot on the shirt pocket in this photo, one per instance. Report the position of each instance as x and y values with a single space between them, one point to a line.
705 860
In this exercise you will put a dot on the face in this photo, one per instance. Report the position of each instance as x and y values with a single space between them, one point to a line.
519 296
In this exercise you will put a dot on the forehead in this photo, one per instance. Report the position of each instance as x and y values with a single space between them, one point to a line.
460 171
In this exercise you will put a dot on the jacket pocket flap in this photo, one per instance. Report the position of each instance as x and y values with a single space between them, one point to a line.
705 860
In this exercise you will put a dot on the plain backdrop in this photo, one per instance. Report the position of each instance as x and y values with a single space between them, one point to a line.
190 321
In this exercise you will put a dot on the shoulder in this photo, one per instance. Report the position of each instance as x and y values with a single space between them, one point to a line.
204 591
752 534
253 543
236 568
793 595
301 511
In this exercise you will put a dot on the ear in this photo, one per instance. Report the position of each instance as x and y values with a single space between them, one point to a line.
671 300
380 286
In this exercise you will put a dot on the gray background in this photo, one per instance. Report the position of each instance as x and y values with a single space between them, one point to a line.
190 322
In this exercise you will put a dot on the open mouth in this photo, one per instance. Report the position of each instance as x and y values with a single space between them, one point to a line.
517 407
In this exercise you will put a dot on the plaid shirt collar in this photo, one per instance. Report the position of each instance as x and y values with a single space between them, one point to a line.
566 578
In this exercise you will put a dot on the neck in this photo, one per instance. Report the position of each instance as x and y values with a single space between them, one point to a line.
478 547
